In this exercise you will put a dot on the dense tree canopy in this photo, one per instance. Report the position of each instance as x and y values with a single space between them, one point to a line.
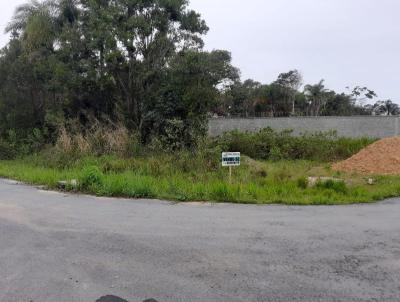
139 62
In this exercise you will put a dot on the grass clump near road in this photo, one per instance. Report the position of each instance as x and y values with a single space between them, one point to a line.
198 176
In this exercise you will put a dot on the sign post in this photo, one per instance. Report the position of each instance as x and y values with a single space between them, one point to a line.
230 159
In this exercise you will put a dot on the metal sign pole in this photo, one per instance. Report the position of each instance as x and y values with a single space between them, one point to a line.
230 174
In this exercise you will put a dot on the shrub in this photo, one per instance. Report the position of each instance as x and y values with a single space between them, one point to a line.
177 134
7 151
302 183
269 144
275 153
337 186
15 143
91 177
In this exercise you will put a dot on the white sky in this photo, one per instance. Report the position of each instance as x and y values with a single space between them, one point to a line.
346 42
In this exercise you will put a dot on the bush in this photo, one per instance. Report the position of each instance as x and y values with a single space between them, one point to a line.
268 144
337 186
7 151
91 177
178 134
15 144
302 183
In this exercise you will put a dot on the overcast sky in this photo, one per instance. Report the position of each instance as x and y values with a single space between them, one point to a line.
345 42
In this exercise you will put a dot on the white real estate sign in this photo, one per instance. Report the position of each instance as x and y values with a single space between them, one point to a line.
231 159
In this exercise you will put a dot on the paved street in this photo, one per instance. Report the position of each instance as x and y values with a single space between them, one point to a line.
66 248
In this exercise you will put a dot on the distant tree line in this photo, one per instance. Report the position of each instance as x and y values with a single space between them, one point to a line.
284 97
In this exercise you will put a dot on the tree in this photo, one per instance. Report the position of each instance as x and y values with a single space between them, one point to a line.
386 107
133 42
135 62
338 104
190 88
34 84
56 13
25 12
358 96
278 100
317 95
290 82
240 97
361 94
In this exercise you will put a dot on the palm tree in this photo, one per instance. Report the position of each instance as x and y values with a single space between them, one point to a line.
67 12
290 83
34 22
39 21
25 12
317 96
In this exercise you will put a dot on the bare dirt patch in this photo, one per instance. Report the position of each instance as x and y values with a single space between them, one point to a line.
382 157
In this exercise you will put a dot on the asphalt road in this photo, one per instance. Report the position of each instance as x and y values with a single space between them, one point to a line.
66 248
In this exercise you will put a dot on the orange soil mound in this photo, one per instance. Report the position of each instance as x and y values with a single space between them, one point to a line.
382 157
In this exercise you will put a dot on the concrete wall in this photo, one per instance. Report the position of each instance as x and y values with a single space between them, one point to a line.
370 126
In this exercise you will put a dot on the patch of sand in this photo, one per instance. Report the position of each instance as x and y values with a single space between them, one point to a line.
381 157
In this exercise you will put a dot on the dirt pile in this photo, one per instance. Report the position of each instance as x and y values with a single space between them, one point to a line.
382 157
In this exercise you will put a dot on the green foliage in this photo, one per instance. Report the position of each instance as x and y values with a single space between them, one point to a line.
386 107
197 174
114 84
143 188
282 98
7 151
12 145
138 64
337 186
268 144
221 192
91 177
135 63
302 183
187 177
317 95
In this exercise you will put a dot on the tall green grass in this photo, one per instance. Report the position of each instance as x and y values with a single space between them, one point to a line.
173 177
276 145
274 169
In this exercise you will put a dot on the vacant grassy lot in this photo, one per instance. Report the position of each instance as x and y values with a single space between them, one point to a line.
275 168
181 178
